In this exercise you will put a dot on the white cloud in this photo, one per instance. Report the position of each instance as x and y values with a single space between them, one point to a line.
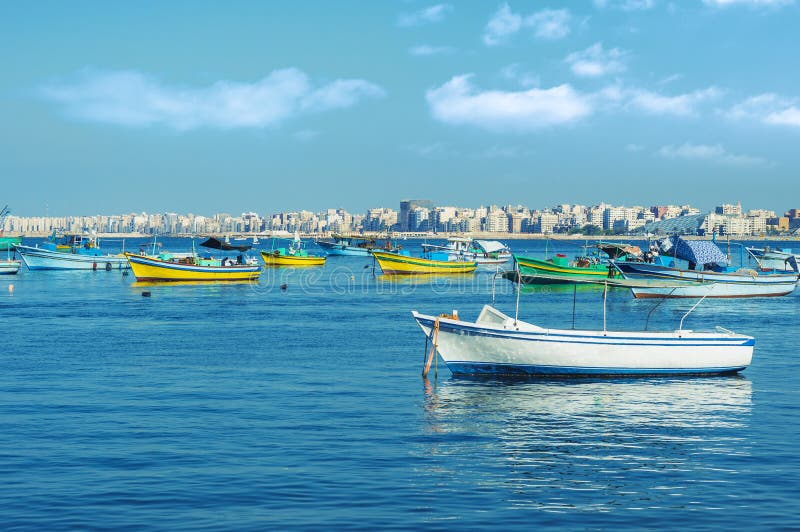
682 104
711 153
767 108
595 61
547 24
626 5
502 24
429 15
427 49
458 102
130 98
515 73
749 3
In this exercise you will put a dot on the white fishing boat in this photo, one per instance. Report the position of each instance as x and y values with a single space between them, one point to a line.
75 252
708 274
782 260
467 249
499 344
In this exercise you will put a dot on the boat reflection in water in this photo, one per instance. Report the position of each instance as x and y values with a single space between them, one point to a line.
589 445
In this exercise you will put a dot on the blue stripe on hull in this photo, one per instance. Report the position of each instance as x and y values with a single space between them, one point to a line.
590 339
485 368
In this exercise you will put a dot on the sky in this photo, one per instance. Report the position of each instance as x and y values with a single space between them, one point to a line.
204 107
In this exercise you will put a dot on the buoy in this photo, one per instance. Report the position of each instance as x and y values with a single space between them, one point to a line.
145 294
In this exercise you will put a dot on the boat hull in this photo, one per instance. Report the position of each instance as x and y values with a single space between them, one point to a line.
394 264
9 267
473 349
332 248
155 270
694 284
43 259
271 259
537 271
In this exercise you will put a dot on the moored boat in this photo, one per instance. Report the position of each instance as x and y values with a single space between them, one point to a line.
561 270
9 266
7 243
190 269
782 260
467 249
294 254
708 274
501 345
74 252
357 246
401 264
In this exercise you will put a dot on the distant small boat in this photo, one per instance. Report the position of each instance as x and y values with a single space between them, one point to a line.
357 246
396 263
775 259
294 254
9 266
497 344
73 252
467 249
7 243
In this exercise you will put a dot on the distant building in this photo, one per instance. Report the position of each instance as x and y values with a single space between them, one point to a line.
407 206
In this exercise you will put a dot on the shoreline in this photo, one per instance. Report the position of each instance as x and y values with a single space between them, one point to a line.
420 236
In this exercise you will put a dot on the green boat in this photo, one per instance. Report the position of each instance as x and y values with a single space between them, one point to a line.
561 270
7 243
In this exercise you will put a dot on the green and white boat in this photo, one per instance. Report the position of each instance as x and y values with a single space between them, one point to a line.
562 270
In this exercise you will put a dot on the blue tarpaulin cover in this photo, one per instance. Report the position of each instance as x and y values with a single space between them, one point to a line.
700 252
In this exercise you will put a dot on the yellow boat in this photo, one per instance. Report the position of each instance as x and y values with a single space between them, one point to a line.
293 255
280 257
393 263
190 269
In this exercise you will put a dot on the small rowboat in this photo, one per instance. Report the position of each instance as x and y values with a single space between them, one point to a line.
393 263
500 345
9 266
190 269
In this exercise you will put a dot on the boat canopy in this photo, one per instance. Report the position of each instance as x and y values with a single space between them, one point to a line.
616 251
491 246
215 243
700 252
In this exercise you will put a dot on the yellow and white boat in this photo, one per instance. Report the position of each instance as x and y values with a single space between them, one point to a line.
393 263
279 257
190 269
293 255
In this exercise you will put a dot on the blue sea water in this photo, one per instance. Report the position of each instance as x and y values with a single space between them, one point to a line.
249 406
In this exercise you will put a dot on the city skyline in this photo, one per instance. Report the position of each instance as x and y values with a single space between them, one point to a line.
307 105
423 216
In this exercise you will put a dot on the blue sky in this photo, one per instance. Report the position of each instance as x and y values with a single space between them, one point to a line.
229 106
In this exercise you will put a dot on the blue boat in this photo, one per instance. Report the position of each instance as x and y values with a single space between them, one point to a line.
73 252
707 273
357 246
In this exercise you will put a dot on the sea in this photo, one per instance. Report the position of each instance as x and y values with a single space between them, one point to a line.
297 402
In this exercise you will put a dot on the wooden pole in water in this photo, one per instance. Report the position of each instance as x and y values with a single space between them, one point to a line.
434 339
